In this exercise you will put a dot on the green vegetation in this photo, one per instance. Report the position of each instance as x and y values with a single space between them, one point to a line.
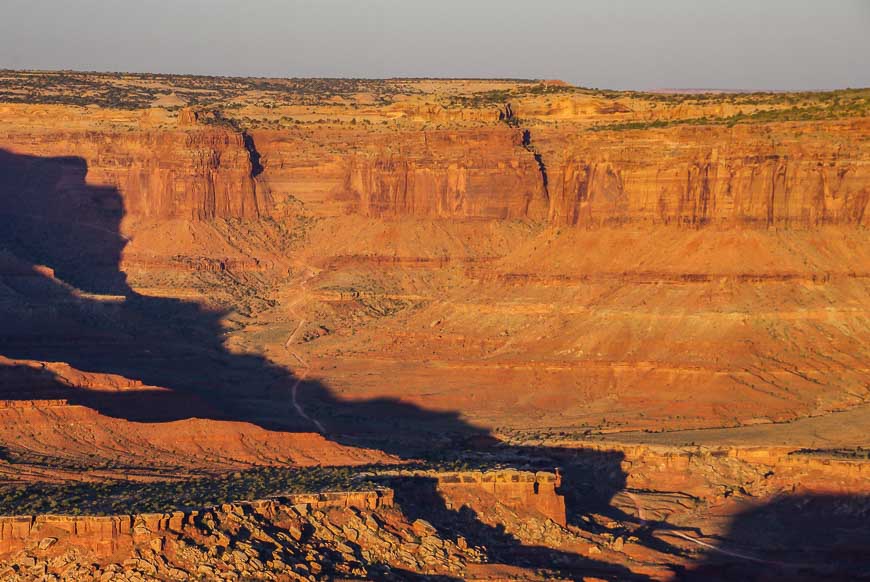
112 497
136 91
66 88
231 94
501 96
846 454
855 105
758 98
127 497
483 99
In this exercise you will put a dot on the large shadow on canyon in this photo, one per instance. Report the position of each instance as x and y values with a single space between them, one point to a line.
794 538
64 298
420 498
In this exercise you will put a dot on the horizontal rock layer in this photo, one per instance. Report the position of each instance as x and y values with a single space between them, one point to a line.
200 173
779 176
103 534
776 175
785 175
520 490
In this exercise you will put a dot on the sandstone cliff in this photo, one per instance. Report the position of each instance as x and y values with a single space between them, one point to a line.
316 536
746 176
750 176
196 174
481 174
784 175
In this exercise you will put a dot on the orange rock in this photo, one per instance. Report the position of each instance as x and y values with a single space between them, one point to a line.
521 490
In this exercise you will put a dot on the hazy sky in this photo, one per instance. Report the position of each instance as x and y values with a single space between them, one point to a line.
639 44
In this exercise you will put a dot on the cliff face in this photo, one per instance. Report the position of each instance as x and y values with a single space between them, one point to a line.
784 175
728 258
335 534
714 472
779 175
743 176
201 174
461 174
104 535
195 174
518 490
481 174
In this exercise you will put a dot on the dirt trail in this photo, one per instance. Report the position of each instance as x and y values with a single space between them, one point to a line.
705 545
301 373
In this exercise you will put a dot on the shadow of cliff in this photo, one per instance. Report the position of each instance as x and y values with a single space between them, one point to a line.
419 498
64 298
793 538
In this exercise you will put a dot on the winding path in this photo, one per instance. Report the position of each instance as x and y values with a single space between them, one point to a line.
705 545
302 373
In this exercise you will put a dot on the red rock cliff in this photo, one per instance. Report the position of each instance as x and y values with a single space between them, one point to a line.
479 174
195 174
789 175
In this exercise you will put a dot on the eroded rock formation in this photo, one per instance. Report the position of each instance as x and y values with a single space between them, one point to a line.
295 537
201 173
756 177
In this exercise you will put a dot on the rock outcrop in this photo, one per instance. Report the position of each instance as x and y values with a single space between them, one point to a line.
750 177
740 177
104 535
480 174
318 536
746 176
714 473
200 173
191 292
519 490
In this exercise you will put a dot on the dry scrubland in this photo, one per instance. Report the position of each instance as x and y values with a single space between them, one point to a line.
222 289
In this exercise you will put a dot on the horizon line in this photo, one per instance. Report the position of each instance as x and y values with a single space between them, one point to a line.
672 90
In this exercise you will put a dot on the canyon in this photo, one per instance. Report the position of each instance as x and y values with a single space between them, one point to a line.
665 296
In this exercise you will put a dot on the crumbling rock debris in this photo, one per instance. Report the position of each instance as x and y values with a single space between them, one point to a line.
298 537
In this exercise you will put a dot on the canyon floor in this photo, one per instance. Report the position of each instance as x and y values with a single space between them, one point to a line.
519 329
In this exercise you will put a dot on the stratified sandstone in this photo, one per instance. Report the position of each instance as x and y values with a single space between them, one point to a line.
469 174
537 492
349 272
689 276
105 535
744 176
201 173
296 537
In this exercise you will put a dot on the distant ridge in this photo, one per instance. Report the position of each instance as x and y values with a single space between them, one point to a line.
699 91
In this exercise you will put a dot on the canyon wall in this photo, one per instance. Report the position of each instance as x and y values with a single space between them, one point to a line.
195 174
776 175
783 175
521 491
526 491
518 490
712 472
105 534
453 175
481 173
758 176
